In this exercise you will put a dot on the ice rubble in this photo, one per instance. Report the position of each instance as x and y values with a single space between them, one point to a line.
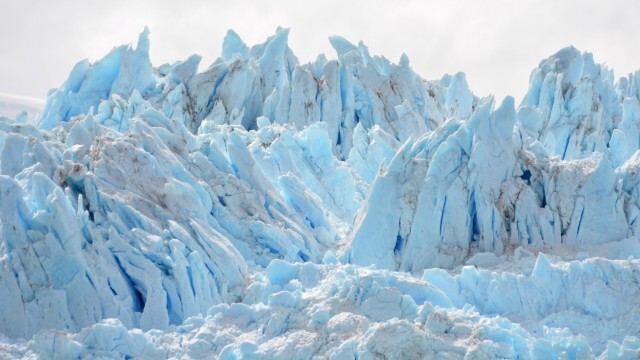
345 312
261 207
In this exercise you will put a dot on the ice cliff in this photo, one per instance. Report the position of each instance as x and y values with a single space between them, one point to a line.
343 208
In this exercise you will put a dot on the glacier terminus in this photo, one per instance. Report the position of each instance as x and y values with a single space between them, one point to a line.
262 208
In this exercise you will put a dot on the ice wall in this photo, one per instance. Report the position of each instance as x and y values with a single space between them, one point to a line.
149 195
554 172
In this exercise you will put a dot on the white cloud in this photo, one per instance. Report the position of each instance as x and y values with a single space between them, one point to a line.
496 42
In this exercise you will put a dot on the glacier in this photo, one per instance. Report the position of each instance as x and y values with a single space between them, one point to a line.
346 208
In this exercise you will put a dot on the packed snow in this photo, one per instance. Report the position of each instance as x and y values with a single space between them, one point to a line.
342 209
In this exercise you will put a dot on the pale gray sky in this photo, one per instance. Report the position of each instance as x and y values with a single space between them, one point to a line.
496 42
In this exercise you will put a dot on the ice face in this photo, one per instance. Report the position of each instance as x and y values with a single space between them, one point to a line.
167 212
477 186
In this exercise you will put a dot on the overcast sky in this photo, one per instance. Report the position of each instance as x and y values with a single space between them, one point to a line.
496 42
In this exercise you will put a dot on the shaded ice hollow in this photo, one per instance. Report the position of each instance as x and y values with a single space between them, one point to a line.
342 209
